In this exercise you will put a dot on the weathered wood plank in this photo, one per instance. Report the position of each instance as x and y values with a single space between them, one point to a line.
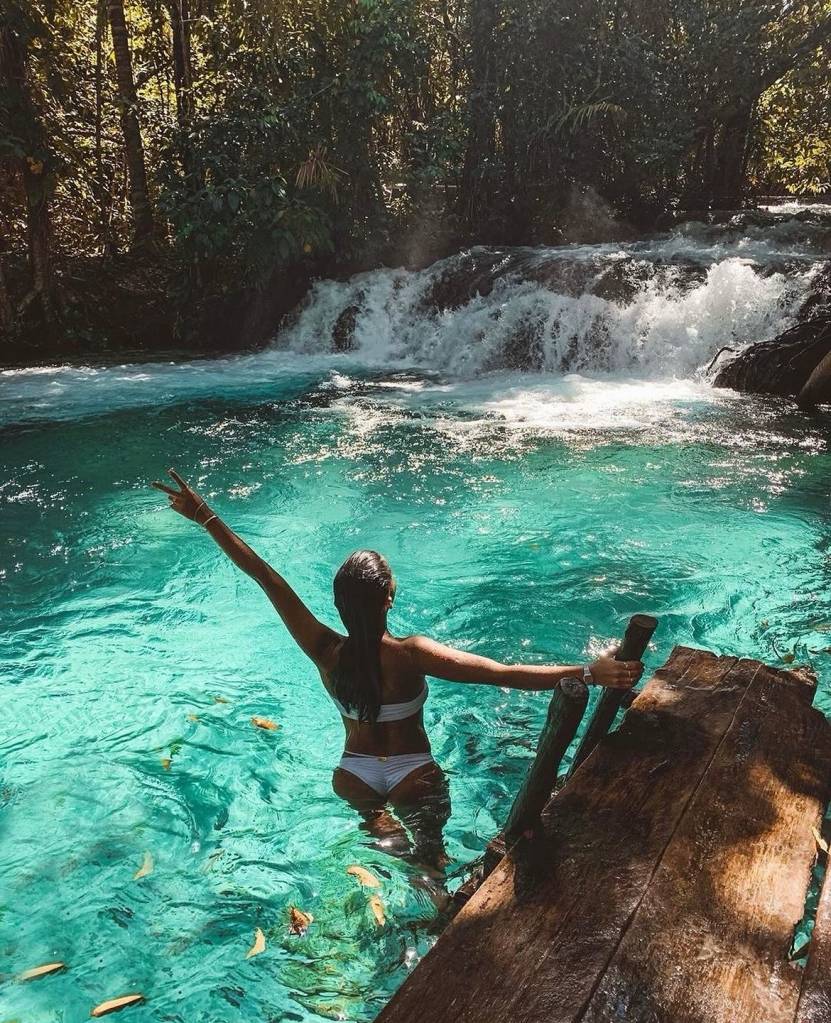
710 939
815 996
535 939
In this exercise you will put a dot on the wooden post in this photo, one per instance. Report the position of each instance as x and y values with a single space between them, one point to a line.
565 711
635 641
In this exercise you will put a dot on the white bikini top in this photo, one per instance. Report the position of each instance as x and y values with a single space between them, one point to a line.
389 711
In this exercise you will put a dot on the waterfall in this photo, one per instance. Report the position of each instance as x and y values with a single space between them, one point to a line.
659 308
597 316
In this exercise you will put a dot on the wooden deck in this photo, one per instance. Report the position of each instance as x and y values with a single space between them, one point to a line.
670 874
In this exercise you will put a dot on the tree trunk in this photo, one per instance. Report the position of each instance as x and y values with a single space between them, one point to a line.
101 187
6 311
182 63
39 234
728 185
34 170
478 170
142 211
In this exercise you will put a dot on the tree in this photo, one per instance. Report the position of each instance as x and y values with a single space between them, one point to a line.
142 210
25 143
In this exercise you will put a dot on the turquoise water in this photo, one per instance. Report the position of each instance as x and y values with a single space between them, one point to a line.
123 622
526 517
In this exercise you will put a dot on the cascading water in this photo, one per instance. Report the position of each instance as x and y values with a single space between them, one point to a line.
658 309
526 516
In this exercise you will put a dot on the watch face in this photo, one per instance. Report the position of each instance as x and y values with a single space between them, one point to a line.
572 686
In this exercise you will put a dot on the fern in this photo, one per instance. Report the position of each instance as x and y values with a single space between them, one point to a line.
578 117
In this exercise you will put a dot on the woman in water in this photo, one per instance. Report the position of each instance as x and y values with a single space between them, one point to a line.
377 681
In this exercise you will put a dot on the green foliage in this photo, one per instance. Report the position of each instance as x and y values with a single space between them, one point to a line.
331 126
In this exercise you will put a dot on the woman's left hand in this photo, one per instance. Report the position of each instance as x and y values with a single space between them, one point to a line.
185 501
606 671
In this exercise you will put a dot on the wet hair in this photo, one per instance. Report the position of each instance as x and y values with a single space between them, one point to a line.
362 586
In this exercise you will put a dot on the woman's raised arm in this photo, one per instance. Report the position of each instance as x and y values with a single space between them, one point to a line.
315 639
440 661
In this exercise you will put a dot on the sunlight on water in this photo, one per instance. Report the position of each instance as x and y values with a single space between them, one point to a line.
526 517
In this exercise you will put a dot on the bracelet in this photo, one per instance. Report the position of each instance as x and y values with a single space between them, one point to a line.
588 678
199 508
210 518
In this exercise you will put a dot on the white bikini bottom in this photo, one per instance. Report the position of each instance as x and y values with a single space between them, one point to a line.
383 773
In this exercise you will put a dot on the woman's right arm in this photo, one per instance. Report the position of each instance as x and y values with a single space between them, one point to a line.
440 661
315 639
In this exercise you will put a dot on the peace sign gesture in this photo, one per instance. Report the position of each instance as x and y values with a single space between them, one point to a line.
185 501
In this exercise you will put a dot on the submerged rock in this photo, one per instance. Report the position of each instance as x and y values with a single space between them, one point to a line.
796 364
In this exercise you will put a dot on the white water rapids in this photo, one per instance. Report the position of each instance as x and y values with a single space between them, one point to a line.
660 309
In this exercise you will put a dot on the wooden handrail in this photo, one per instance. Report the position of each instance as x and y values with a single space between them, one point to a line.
565 712
635 641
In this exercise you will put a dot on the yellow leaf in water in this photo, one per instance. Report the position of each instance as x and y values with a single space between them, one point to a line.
193 717
114 1004
220 699
364 877
821 843
166 762
146 867
264 723
377 908
788 658
41 971
258 946
307 248
299 921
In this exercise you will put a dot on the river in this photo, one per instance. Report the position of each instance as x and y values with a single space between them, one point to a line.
528 435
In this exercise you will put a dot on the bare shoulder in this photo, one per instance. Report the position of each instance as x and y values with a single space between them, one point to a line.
425 653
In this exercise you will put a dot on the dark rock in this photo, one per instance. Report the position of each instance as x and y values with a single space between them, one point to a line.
470 274
818 304
785 364
343 332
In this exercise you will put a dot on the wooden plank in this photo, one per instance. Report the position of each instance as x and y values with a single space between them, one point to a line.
711 937
534 940
815 996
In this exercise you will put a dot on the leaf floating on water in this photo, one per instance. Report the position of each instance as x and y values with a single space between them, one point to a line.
377 908
788 658
42 971
266 723
146 867
258 946
166 762
365 878
801 952
822 845
220 699
114 1004
299 921
194 717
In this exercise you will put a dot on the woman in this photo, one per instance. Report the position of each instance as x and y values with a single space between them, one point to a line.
377 681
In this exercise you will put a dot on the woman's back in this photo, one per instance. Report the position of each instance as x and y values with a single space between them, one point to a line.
403 689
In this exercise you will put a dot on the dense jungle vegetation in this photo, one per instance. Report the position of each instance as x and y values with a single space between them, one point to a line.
166 165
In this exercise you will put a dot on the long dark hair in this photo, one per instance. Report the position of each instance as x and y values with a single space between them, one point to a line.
362 587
